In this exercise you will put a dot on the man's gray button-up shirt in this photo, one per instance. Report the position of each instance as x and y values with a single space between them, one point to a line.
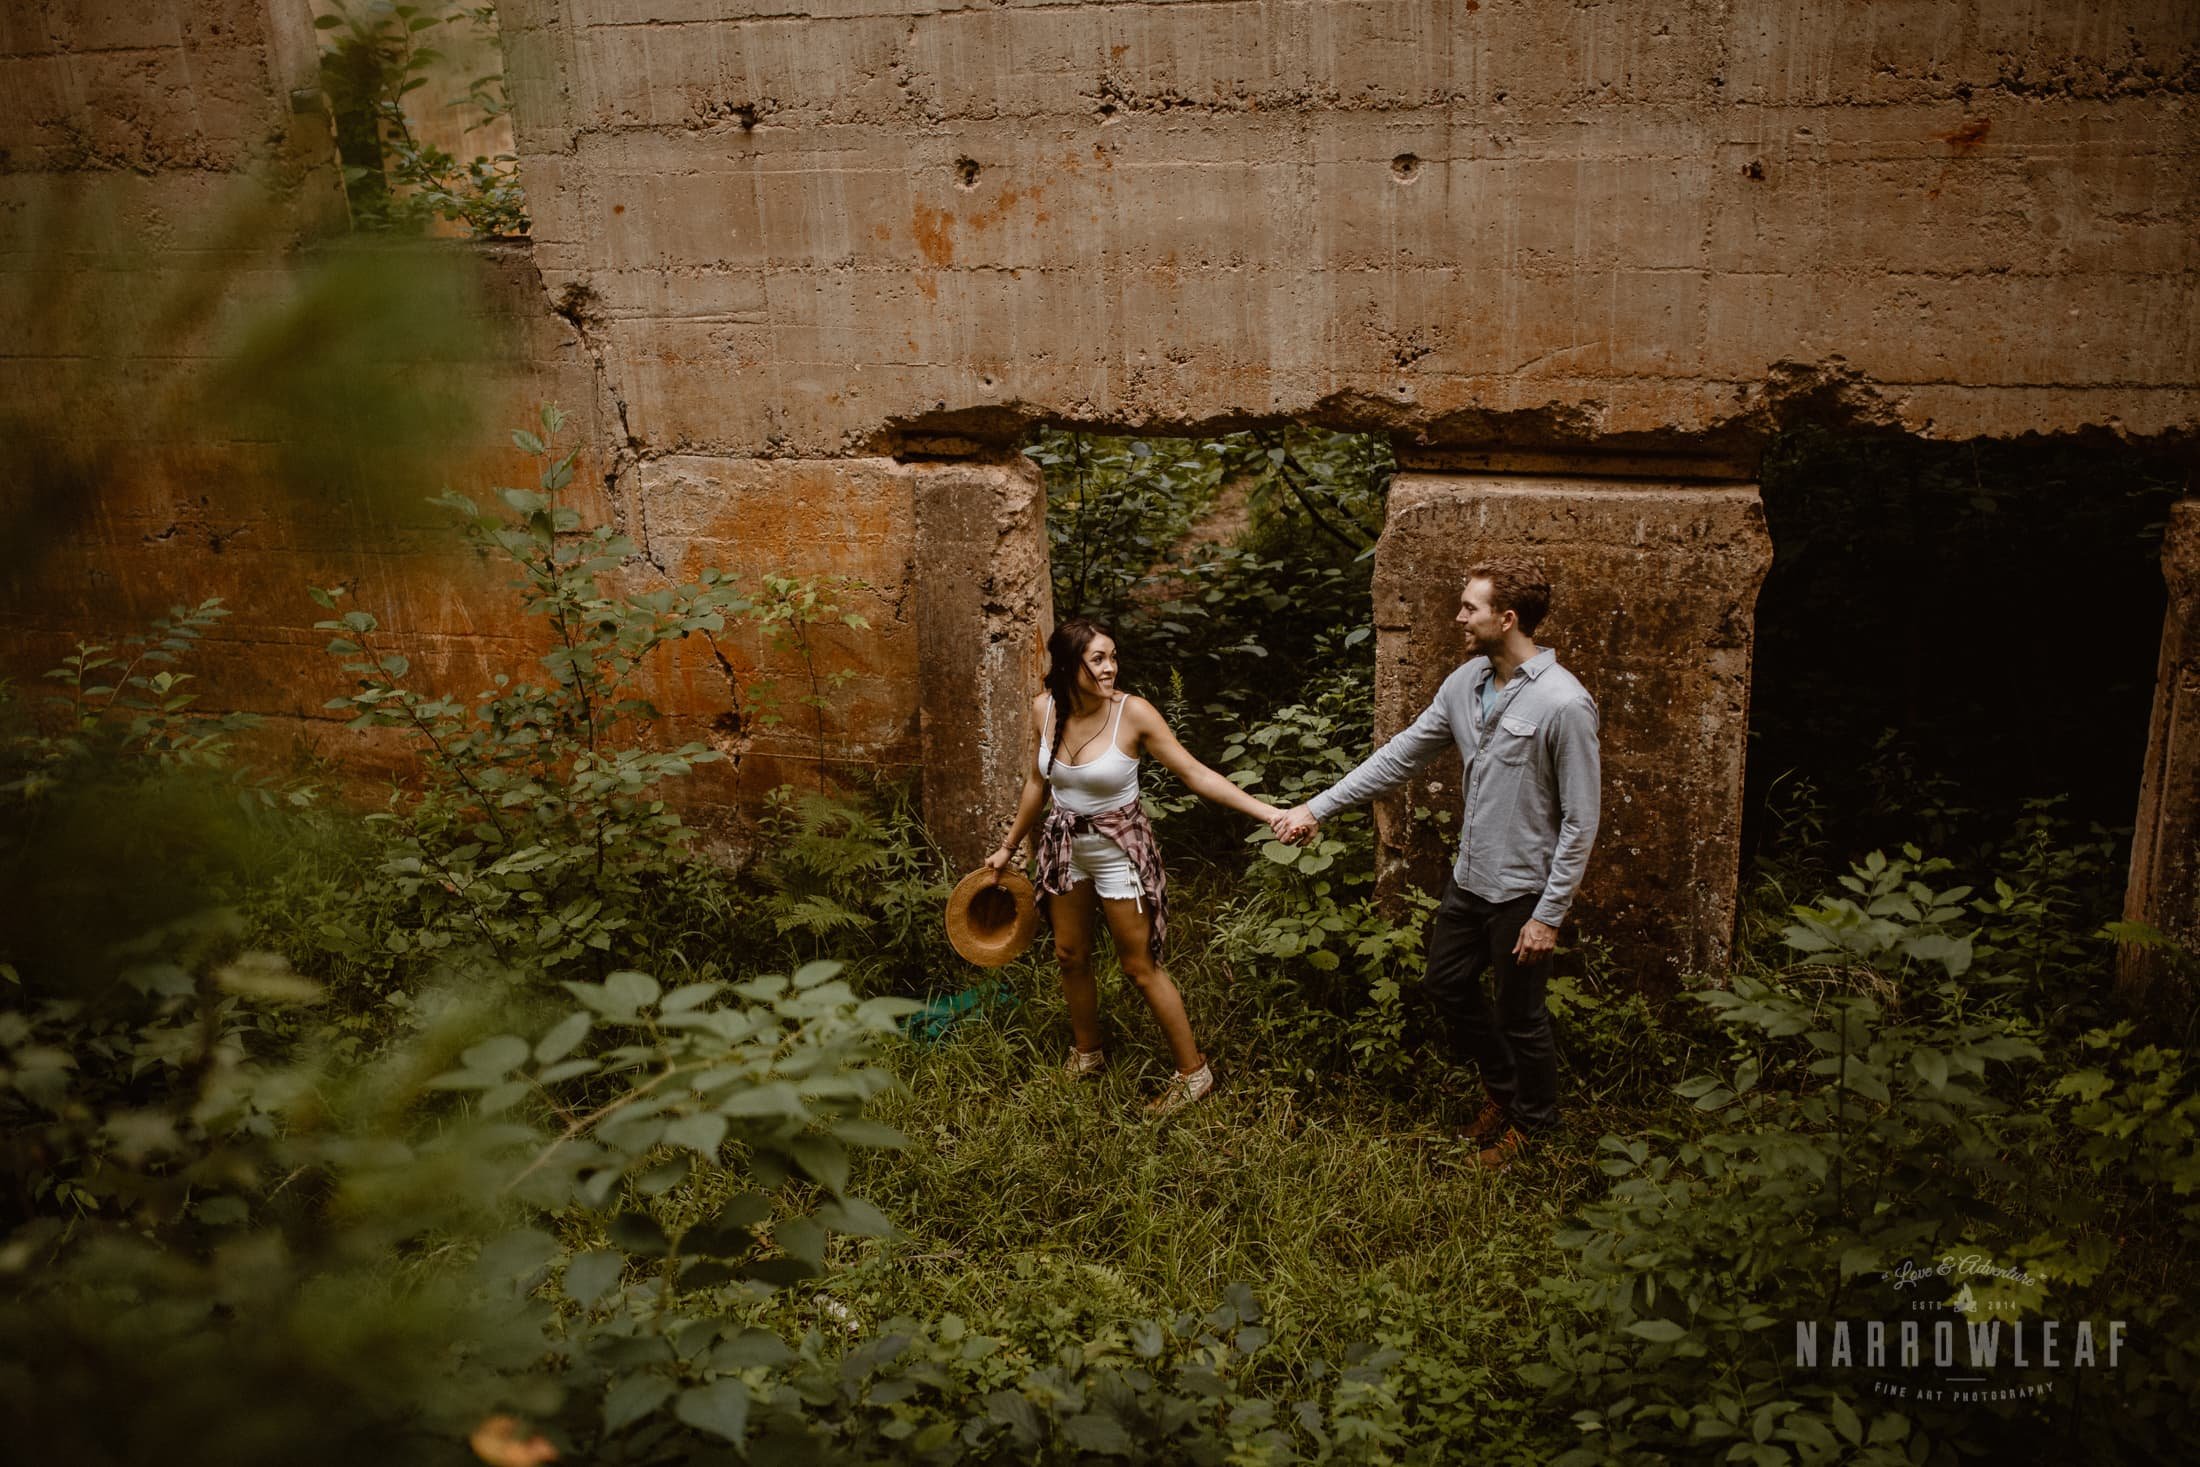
1531 774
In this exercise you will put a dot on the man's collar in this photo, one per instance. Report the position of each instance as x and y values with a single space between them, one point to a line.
1534 667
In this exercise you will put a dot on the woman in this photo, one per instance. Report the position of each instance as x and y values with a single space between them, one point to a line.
1096 852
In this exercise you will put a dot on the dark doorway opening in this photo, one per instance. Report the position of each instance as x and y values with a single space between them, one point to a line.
1951 631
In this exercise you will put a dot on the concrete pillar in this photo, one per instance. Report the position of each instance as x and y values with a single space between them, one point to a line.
2165 843
1654 590
984 607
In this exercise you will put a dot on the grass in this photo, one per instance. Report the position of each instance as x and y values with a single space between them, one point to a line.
1045 1210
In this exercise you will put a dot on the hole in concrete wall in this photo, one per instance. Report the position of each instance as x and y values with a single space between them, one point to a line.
1405 168
1951 630
966 173
1236 572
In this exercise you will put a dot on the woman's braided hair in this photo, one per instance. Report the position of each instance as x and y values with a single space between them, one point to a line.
1065 655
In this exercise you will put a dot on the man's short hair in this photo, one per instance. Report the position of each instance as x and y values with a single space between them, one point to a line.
1517 585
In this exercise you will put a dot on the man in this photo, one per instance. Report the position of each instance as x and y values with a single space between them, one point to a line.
1526 731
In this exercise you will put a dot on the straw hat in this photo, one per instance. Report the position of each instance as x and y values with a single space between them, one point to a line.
992 924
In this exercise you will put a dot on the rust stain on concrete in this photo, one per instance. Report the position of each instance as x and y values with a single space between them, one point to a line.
1965 139
987 218
934 230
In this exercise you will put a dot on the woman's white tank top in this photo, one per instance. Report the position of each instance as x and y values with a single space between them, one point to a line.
1107 781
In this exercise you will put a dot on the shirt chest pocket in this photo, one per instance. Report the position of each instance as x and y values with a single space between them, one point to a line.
1513 741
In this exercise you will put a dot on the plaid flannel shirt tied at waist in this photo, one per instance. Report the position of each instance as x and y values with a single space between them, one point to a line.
1128 828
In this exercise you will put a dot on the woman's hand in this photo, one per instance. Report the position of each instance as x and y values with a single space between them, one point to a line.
998 862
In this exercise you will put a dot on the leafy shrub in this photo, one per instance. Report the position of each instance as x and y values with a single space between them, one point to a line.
125 700
789 609
542 832
1873 1111
1617 1046
374 55
1178 1389
268 1241
2135 1113
856 879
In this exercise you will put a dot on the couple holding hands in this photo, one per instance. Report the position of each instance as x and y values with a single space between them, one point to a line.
1526 733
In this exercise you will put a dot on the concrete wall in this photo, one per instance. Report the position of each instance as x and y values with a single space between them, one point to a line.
169 192
1580 240
788 252
805 226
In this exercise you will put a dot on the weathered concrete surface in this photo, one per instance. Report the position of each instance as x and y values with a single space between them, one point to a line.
2165 845
850 521
779 244
183 507
1654 587
984 608
810 225
118 205
156 87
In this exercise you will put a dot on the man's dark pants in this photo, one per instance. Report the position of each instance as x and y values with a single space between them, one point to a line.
1510 1037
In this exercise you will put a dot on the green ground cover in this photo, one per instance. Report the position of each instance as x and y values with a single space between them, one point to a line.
335 1133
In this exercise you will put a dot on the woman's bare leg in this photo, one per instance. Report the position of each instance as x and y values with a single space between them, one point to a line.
1073 913
1129 926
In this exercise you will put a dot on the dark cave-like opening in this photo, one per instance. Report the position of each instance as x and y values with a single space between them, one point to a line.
1949 631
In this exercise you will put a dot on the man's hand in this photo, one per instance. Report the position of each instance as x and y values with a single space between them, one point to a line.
1295 825
1537 940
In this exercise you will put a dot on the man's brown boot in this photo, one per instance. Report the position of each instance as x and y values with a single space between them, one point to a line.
1499 1153
1487 1125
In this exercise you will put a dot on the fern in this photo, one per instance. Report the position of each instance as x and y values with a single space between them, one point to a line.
856 879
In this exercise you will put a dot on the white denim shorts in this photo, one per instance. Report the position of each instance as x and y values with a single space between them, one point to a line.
1106 865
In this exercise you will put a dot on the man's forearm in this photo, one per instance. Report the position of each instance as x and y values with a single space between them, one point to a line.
1391 766
1580 801
1568 861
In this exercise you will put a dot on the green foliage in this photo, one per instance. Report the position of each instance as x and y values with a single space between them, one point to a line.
542 831
1180 1388
789 610
668 1148
1328 978
1117 508
1299 749
1875 1111
269 1239
688 1177
374 55
126 700
1125 518
859 881
1614 1043
117 772
1235 571
2135 1113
